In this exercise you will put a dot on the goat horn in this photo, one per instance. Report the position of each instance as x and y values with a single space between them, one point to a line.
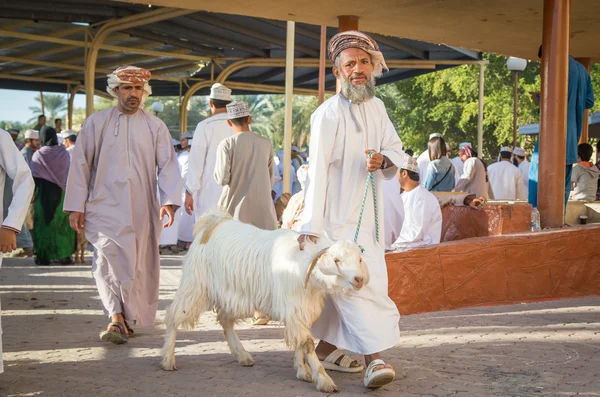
313 264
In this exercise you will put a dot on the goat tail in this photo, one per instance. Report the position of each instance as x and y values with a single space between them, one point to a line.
209 222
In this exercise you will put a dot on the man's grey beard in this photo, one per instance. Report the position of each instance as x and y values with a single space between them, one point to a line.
360 93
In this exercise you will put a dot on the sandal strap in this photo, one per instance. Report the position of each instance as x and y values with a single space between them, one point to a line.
334 356
373 364
119 326
346 361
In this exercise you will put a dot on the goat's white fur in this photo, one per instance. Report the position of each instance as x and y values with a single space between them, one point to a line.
241 269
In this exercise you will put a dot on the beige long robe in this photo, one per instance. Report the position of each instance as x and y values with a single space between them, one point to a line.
13 165
113 180
245 167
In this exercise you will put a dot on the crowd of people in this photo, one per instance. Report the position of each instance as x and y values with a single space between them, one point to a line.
45 234
133 191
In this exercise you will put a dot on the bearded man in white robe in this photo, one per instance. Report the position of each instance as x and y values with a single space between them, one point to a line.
506 180
344 130
122 153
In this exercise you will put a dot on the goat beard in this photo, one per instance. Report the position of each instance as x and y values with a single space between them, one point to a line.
360 93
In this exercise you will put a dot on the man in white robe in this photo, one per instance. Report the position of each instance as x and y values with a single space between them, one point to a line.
202 191
521 158
168 235
458 163
344 129
14 166
506 179
121 155
422 214
185 220
423 159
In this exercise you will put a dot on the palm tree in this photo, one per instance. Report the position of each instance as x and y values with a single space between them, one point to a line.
54 106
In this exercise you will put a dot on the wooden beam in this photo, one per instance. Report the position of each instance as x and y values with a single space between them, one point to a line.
37 79
347 22
237 28
397 45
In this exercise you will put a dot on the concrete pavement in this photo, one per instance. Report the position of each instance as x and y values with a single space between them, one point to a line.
51 317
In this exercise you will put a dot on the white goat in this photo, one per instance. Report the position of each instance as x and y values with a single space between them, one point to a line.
241 269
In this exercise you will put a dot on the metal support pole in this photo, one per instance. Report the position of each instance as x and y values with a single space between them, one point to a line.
553 120
289 97
480 114
42 102
71 92
515 107
322 64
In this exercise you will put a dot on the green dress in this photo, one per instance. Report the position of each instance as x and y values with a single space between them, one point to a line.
52 235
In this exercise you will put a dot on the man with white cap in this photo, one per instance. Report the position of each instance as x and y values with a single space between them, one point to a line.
458 163
123 155
202 192
505 179
32 143
353 140
185 222
69 139
245 168
423 159
13 166
422 223
184 141
520 157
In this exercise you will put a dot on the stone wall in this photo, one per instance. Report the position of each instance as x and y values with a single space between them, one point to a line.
497 270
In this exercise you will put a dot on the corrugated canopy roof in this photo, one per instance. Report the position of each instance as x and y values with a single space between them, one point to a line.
42 47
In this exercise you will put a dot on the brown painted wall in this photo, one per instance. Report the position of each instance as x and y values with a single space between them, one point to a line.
497 270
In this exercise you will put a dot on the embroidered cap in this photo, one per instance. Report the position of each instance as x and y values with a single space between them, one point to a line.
519 152
506 149
220 92
463 144
32 134
237 109
409 164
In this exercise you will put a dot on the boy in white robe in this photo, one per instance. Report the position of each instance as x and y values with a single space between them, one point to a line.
202 191
13 165
348 131
422 215
505 179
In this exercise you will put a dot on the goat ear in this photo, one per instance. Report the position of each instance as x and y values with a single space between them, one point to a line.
328 265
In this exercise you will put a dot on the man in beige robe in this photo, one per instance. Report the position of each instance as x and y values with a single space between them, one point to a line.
122 153
245 166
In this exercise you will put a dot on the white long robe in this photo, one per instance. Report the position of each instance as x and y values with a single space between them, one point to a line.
13 165
422 220
185 224
366 321
203 155
394 211
113 180
458 167
473 179
423 162
506 181
524 168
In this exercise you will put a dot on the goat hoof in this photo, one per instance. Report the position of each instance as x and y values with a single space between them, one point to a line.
327 386
305 377
168 365
247 361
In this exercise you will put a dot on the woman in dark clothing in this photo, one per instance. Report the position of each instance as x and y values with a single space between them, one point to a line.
54 240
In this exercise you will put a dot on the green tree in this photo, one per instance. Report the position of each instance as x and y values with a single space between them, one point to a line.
55 106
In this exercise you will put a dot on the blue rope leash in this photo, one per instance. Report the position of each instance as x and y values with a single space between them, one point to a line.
371 182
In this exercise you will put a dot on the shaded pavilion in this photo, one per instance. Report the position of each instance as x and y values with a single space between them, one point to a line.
68 45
